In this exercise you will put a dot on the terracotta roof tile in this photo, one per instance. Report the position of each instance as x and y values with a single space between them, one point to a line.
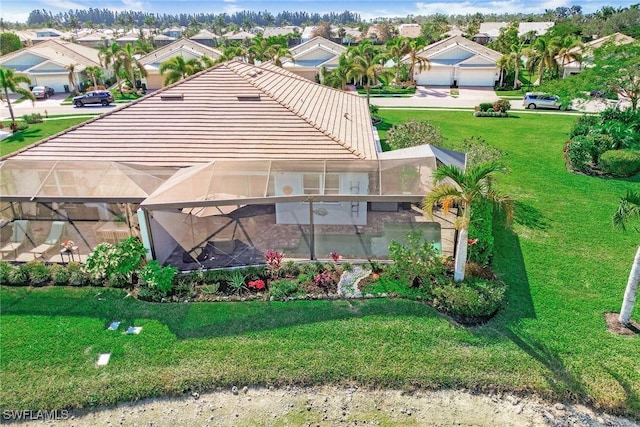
231 111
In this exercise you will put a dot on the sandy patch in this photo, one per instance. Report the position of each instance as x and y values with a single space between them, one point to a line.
329 406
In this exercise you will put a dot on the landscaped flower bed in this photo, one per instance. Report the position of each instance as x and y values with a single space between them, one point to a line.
417 272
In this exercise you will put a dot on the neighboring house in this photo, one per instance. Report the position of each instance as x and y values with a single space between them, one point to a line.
130 38
206 37
281 31
583 54
458 61
95 40
240 159
44 63
48 33
409 30
489 31
161 40
174 32
186 48
311 56
240 36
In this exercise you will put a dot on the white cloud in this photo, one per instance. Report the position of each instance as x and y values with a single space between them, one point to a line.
63 5
229 1
489 7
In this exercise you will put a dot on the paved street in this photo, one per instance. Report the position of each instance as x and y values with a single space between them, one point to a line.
425 97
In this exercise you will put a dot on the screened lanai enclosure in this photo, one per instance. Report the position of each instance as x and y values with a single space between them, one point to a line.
230 212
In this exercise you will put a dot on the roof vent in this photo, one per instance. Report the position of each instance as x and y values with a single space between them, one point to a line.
172 97
248 97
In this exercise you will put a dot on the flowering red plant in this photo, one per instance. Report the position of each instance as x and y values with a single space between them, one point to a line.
472 242
335 256
258 285
274 259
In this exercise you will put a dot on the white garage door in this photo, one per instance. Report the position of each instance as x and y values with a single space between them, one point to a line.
477 78
434 77
54 81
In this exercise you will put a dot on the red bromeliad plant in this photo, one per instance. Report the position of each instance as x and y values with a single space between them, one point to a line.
335 256
258 285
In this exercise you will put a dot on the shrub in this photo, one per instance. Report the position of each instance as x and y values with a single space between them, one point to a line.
6 271
157 278
59 274
38 273
578 153
283 288
469 300
498 114
115 263
481 233
412 133
620 163
417 262
323 280
19 276
478 151
485 106
584 125
77 275
501 105
32 118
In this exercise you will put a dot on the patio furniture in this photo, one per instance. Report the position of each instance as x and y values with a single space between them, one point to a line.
112 232
18 237
55 234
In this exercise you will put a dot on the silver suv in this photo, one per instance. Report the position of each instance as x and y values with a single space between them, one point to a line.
534 100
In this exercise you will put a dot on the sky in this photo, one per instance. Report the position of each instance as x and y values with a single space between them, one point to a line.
18 10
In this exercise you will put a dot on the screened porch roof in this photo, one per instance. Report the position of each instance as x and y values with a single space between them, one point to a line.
48 181
403 176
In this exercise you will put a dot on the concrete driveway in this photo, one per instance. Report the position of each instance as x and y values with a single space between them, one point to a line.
440 96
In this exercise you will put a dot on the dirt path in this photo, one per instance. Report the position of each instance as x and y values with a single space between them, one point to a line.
334 406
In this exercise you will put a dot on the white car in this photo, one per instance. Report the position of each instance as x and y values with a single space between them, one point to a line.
533 100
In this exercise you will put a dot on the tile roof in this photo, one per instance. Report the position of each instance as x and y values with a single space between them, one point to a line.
449 42
231 111
316 42
176 48
61 52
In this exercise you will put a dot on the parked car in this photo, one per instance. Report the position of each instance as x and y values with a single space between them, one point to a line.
103 97
534 100
42 92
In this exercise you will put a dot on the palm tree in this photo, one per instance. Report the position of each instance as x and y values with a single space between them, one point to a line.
72 76
569 50
470 186
277 53
416 45
629 208
94 74
179 69
130 64
366 63
503 63
516 56
545 53
109 58
11 82
397 49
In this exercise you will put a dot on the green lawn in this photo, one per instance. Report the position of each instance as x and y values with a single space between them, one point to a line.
564 264
36 132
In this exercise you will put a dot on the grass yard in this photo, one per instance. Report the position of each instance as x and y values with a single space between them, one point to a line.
564 264
36 132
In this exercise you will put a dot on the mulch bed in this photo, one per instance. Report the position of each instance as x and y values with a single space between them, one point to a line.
614 325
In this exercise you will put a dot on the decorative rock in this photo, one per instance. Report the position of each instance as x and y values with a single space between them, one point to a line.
245 389
234 390
195 395
559 407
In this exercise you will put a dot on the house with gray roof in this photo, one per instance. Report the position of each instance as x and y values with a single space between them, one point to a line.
310 57
457 61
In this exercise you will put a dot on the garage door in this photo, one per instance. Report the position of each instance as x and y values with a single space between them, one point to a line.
56 82
434 77
477 78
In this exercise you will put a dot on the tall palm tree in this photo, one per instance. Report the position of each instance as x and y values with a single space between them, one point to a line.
628 209
569 50
130 64
109 58
545 50
397 48
179 69
72 77
339 76
471 185
516 55
11 82
94 74
277 53
366 63
415 59
503 63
